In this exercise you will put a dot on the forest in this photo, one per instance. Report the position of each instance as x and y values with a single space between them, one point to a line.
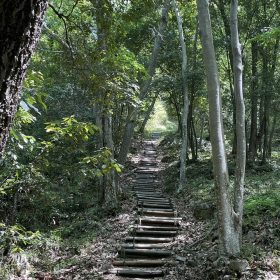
139 139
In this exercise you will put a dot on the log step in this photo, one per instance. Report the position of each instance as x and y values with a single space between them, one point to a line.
145 176
144 170
157 213
144 246
154 200
158 221
154 205
140 232
149 193
137 273
157 195
154 228
159 253
139 239
155 209
141 263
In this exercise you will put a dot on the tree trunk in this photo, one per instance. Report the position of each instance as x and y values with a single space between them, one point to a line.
271 134
191 124
110 192
222 9
229 240
148 114
254 103
108 182
184 147
130 125
21 24
240 120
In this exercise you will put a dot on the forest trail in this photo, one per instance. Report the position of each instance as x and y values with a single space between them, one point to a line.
146 252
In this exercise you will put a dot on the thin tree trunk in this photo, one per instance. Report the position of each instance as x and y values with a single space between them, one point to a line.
222 8
240 119
201 132
110 192
184 147
178 114
148 114
254 103
229 241
20 28
130 125
271 134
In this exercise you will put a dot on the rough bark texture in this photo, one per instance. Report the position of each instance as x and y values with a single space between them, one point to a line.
229 242
20 28
184 147
240 119
130 125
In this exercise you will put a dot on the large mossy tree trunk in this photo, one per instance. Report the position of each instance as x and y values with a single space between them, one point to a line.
229 237
20 28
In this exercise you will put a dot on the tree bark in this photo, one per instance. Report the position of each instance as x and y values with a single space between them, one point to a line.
130 125
240 120
21 24
221 5
254 103
228 240
271 134
108 182
184 147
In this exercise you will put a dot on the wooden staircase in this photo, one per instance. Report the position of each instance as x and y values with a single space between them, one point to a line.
147 252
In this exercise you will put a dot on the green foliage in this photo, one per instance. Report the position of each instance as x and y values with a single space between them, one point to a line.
15 239
262 205
69 130
269 36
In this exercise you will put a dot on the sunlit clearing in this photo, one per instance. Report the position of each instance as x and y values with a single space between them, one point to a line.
159 120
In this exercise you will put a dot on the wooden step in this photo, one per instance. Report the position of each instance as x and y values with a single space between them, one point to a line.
141 182
141 203
155 209
154 197
157 221
156 205
156 194
141 263
145 176
137 273
139 239
159 253
146 170
144 246
155 200
149 193
151 189
152 213
168 228
155 233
